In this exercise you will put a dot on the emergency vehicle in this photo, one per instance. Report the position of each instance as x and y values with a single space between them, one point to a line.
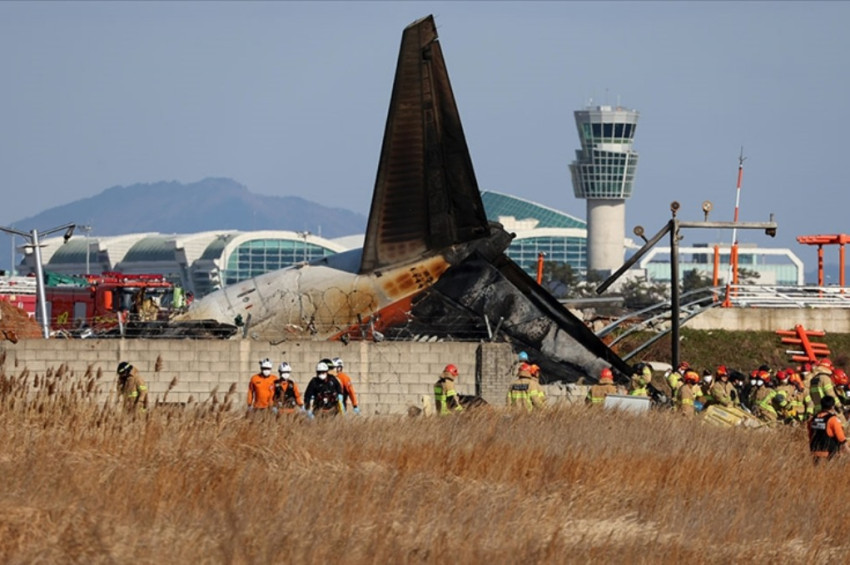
97 301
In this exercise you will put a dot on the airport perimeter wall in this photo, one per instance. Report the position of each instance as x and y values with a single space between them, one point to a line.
833 320
389 377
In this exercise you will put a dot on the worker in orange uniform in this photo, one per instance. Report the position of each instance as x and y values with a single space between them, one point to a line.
287 397
826 434
261 387
525 392
132 387
597 393
446 400
348 394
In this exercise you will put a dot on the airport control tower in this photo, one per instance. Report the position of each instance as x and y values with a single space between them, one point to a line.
603 174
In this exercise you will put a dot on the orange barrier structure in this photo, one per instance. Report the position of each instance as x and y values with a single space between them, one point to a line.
820 241
540 267
811 351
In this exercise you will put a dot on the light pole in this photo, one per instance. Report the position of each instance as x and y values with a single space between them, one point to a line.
672 228
87 229
32 238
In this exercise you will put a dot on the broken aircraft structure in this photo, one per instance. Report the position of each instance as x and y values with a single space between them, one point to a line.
431 263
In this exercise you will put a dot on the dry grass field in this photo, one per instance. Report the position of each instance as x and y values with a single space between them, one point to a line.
81 482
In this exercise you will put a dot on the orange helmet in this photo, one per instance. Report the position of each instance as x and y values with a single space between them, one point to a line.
691 377
451 369
535 370
795 380
839 378
722 371
606 376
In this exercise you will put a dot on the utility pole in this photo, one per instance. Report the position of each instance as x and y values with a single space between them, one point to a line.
32 237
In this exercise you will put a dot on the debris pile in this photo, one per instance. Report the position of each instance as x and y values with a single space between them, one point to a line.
16 324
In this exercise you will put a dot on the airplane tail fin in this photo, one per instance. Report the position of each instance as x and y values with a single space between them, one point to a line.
426 196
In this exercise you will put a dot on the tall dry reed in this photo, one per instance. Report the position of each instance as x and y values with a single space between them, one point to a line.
85 481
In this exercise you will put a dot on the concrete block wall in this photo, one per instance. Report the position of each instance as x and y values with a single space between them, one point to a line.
388 376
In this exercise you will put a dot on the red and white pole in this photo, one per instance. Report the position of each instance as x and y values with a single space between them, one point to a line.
733 252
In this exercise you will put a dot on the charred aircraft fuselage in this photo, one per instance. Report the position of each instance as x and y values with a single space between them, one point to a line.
431 261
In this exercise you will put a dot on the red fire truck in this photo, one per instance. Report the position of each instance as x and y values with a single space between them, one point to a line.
97 301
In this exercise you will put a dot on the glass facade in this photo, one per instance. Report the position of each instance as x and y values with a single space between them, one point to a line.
559 249
259 256
606 164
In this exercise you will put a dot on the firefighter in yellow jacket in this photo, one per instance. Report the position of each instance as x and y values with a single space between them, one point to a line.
686 395
597 393
446 400
525 391
132 387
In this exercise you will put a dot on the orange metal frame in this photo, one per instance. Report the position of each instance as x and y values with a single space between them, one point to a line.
820 241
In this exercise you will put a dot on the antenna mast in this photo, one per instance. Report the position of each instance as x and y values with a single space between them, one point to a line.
733 252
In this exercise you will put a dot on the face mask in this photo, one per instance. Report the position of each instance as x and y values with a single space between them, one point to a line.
285 376
266 372
323 376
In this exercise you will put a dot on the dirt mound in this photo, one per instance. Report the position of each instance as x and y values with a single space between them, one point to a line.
16 324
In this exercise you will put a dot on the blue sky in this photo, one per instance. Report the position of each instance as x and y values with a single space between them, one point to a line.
290 98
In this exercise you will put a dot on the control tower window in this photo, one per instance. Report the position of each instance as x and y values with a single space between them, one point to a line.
608 130
618 131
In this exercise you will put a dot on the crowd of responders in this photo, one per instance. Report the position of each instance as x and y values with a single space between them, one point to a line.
792 395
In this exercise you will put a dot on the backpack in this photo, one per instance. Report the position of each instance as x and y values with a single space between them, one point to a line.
326 398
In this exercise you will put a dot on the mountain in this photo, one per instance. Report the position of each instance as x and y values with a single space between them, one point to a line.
173 207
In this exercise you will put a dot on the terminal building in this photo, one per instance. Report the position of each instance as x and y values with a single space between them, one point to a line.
200 262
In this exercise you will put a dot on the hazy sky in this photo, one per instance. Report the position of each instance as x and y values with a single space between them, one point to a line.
290 98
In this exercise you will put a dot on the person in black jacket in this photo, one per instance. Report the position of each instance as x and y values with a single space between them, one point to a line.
323 393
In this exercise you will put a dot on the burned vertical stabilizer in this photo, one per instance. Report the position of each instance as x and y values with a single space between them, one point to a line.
426 196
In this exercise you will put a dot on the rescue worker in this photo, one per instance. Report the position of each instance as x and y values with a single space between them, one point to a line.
674 378
525 392
348 393
703 392
723 392
820 384
840 382
765 400
786 394
261 387
132 387
521 358
639 383
287 397
446 400
686 395
800 401
597 393
323 393
826 434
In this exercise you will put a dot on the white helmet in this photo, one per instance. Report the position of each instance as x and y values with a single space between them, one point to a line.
284 368
337 362
266 363
321 367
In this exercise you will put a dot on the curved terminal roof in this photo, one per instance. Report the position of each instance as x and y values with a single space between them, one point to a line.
499 205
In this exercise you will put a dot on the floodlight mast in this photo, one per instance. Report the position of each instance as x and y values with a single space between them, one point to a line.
672 227
32 238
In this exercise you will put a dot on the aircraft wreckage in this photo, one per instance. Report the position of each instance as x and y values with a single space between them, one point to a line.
431 263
